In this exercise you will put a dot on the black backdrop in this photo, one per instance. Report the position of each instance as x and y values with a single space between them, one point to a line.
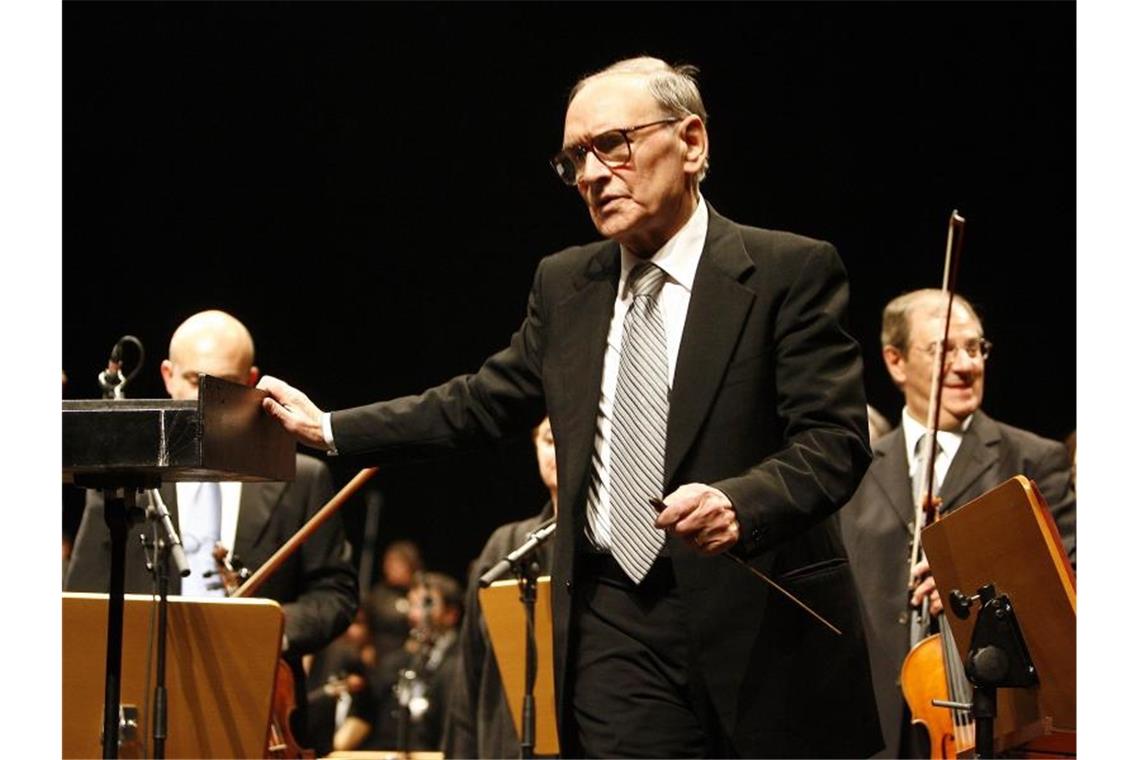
366 187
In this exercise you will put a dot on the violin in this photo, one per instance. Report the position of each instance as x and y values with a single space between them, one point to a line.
280 741
933 670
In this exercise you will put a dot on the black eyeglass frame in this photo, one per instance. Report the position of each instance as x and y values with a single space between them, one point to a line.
984 349
575 155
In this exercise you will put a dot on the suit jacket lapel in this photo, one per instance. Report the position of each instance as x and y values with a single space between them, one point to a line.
978 452
718 307
891 471
254 511
592 307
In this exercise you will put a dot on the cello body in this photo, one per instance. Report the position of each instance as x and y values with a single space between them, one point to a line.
279 739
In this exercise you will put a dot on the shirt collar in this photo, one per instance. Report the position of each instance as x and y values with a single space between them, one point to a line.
948 440
678 257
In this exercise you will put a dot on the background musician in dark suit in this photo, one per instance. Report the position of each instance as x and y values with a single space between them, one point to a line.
479 721
689 357
316 585
976 453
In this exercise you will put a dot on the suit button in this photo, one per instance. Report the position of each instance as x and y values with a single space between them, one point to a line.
903 617
569 586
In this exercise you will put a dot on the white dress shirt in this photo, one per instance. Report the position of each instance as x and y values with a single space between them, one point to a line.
949 441
231 500
678 258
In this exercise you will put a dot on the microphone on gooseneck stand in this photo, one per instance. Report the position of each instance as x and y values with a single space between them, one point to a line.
111 380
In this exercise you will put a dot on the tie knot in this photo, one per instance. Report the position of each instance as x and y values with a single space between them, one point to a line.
645 279
921 445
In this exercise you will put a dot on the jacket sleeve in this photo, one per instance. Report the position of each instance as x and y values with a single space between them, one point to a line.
327 598
90 564
1054 478
821 405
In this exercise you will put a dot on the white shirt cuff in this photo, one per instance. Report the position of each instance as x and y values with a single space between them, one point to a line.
326 431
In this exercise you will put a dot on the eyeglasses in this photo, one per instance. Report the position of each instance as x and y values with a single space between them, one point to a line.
612 148
973 348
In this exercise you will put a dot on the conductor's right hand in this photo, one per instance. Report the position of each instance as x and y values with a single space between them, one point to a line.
294 411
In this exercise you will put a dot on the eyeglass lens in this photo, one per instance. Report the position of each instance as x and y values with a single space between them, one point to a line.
612 148
973 349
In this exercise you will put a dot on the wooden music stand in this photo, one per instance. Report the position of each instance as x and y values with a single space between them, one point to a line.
1007 537
506 627
121 447
221 666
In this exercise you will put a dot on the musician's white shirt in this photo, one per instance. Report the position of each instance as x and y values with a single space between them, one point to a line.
949 441
231 501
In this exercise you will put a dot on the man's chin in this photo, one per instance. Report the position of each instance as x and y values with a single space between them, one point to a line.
611 225
956 415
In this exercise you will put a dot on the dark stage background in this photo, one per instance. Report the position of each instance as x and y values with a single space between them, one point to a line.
366 187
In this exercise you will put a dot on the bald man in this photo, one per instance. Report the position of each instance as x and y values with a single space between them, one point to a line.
316 586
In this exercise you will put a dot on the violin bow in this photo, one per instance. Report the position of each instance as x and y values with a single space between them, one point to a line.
925 503
254 582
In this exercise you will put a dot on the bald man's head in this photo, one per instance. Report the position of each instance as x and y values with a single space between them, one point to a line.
213 342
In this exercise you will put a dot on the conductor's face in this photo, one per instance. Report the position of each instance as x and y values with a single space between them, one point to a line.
644 191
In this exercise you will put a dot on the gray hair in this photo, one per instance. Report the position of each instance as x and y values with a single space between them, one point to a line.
896 314
673 87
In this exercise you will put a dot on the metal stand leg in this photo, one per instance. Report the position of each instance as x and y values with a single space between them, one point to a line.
115 515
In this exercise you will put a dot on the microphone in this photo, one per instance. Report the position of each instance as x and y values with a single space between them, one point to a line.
534 539
111 380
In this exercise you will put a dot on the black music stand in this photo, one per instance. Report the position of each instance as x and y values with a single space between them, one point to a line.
123 446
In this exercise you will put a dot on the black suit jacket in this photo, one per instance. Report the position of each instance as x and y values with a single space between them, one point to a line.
877 530
767 405
316 585
479 721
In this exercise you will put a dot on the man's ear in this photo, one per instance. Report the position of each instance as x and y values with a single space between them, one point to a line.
896 364
696 140
167 370
254 375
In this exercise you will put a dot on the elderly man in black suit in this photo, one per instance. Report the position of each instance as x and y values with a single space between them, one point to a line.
686 357
975 453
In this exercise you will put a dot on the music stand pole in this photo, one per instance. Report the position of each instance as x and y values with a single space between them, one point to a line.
528 592
168 546
115 508
162 552
998 657
525 567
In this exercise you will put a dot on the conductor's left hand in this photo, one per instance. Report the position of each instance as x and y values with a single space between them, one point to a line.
702 516
293 409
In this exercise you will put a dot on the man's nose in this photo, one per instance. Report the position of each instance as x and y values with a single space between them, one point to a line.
592 169
959 360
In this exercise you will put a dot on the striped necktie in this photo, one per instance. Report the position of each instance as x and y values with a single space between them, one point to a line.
640 415
920 465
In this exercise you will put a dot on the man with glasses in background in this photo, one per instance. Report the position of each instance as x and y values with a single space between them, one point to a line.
695 360
974 453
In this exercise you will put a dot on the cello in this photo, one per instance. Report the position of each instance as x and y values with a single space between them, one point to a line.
237 582
932 671
280 741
